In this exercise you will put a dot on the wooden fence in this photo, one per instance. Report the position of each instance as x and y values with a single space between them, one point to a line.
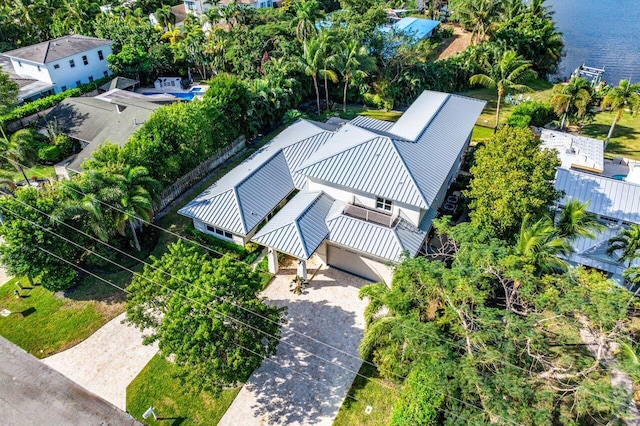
172 192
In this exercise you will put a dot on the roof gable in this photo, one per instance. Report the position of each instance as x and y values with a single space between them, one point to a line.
299 228
413 122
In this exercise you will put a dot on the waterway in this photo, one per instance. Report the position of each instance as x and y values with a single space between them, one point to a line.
600 33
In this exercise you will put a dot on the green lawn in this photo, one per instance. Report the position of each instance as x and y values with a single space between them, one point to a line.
375 392
541 92
156 387
43 324
626 136
481 133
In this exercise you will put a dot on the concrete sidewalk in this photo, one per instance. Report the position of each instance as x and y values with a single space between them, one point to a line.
107 361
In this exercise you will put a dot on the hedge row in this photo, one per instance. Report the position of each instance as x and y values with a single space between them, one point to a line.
47 102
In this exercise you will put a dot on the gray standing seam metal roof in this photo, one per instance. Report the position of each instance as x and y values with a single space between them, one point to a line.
400 170
607 197
299 228
371 123
367 237
52 50
242 198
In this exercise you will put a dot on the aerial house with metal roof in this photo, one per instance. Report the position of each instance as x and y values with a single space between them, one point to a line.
368 190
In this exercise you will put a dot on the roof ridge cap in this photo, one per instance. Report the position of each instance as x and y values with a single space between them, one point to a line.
243 222
413 178
46 53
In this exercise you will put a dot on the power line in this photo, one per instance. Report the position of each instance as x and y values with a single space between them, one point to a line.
357 373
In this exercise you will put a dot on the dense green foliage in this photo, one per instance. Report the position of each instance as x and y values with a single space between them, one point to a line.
512 181
531 113
206 314
484 338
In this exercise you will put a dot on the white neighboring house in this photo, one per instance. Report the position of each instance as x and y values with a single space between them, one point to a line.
585 175
368 191
62 63
200 7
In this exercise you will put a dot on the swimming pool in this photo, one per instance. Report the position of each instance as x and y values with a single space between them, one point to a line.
619 177
185 96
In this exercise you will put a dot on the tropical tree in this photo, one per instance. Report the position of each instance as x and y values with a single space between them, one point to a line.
354 61
165 17
328 62
204 313
478 15
8 93
132 191
540 244
572 99
19 150
507 73
627 243
311 62
307 14
575 221
618 100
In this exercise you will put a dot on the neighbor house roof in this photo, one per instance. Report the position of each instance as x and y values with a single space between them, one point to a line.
606 196
52 50
121 83
94 121
367 237
242 198
416 28
299 228
574 151
408 162
33 393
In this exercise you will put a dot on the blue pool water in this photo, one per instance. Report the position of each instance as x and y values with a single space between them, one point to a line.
196 91
618 177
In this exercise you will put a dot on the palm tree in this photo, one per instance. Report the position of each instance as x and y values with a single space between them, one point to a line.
506 74
312 62
572 98
478 15
540 244
173 34
509 9
628 243
132 190
19 150
164 16
354 61
618 99
575 221
307 13
328 61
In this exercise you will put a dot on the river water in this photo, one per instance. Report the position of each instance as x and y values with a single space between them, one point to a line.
600 33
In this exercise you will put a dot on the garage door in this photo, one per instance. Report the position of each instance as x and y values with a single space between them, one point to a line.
354 263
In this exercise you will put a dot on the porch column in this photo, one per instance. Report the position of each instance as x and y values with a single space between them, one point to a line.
272 257
302 269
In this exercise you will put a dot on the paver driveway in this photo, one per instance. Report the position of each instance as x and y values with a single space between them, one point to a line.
107 361
294 387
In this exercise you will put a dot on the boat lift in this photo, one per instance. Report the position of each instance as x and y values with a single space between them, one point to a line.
590 73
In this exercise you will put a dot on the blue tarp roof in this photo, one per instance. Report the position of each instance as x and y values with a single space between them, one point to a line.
416 28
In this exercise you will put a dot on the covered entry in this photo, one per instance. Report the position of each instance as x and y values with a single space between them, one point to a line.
358 264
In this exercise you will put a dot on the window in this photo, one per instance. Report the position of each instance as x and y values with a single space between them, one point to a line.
78 83
383 203
100 55
90 79
72 63
56 66
106 73
63 88
85 60
221 232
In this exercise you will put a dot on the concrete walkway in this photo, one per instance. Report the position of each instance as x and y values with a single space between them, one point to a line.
298 388
107 361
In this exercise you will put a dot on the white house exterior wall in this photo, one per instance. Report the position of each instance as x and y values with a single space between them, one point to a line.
31 69
67 76
412 214
202 227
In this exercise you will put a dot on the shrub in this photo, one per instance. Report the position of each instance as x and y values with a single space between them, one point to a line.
64 144
49 154
534 113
